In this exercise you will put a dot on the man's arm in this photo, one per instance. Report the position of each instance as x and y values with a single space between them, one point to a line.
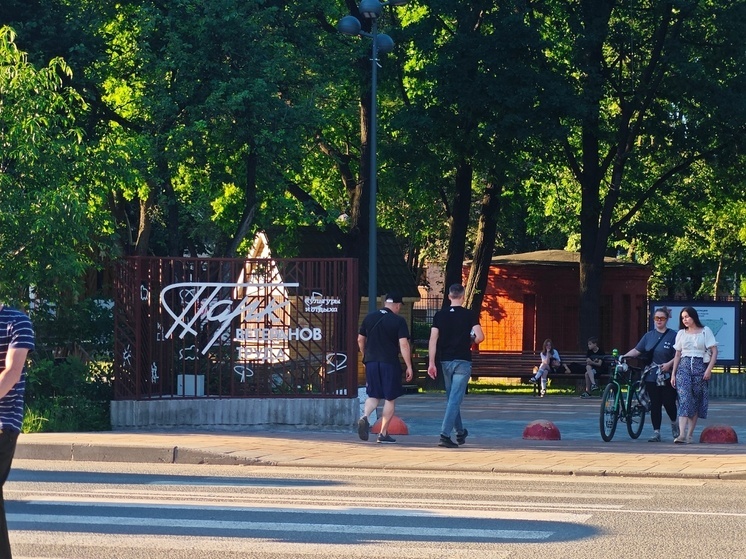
478 334
432 347
406 353
11 374
361 343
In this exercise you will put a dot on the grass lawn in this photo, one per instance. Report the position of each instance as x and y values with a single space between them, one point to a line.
503 386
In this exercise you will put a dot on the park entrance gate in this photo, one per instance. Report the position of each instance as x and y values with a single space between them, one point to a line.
192 328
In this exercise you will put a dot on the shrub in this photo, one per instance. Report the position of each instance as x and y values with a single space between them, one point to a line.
67 395
69 378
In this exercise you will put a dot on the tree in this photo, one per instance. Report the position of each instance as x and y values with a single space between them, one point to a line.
46 226
471 82
645 108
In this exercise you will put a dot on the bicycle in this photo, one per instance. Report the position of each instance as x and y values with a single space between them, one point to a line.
620 401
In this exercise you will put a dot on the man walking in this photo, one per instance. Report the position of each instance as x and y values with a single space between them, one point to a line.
382 336
454 330
16 340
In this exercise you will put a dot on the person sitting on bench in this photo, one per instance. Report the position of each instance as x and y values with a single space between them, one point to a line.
594 365
550 363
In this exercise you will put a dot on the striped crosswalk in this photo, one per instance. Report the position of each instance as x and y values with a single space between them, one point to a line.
175 517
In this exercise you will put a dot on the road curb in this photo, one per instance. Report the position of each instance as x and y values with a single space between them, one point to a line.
77 452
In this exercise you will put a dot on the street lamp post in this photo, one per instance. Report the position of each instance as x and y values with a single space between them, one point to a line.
382 43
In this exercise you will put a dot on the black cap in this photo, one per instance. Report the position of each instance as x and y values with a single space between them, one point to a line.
393 298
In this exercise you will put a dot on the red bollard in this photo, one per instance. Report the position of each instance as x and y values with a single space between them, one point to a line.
541 430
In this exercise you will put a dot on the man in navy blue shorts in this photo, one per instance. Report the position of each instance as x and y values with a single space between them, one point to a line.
382 336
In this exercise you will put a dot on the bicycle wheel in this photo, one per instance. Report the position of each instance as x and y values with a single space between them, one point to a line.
609 412
635 412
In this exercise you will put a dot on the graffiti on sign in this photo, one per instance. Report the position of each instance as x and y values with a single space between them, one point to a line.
211 308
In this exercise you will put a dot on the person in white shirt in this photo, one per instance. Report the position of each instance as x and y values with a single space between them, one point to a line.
696 354
550 363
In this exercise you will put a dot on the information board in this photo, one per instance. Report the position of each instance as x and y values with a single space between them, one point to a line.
722 318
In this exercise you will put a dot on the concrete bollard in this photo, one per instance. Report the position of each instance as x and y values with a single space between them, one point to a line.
541 430
395 427
718 434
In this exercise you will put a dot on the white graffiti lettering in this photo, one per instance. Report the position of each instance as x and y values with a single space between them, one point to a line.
243 371
262 354
335 362
213 309
188 353
127 355
275 334
317 303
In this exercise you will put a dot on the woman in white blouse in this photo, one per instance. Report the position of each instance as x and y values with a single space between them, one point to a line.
696 353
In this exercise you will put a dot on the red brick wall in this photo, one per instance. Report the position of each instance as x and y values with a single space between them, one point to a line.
526 303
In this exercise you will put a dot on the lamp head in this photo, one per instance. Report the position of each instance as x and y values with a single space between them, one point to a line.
349 25
370 9
384 43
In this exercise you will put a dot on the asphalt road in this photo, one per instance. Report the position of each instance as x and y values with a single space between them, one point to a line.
131 511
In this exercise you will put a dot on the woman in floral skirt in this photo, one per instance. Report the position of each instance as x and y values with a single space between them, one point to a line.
696 354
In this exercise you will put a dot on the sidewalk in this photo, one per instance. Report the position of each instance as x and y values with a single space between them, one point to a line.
495 443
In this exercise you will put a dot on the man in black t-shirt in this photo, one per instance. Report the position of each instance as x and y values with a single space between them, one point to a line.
454 330
382 336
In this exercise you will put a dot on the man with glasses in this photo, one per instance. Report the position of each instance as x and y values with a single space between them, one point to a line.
655 351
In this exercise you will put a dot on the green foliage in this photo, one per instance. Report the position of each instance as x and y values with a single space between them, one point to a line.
69 380
44 224
420 330
67 395
84 329
616 123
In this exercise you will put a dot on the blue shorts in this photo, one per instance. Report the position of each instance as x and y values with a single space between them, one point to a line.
383 380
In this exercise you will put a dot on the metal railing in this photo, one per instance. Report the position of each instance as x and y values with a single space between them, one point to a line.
209 327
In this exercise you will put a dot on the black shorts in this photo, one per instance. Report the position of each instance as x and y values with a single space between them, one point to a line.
383 380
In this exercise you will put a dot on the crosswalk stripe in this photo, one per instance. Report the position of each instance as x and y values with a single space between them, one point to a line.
165 504
416 531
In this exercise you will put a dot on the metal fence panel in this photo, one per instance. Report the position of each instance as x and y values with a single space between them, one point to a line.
198 327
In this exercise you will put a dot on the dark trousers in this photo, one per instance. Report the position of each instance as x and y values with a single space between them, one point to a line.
661 397
7 450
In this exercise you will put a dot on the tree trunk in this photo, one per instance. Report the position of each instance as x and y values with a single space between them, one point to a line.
718 277
485 245
459 224
247 218
593 234
145 224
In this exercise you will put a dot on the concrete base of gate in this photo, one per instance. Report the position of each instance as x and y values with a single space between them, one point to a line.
718 434
541 430
234 413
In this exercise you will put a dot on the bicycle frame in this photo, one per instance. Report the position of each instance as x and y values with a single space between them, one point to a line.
620 402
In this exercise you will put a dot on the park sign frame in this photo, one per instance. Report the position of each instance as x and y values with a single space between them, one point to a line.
723 318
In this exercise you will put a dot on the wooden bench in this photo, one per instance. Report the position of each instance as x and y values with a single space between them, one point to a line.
520 364
508 364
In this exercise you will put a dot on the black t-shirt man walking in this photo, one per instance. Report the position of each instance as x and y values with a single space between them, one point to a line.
454 330
382 336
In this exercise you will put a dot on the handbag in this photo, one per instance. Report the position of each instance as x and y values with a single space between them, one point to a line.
708 351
